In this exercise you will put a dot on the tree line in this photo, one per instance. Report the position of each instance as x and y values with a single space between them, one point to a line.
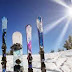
67 46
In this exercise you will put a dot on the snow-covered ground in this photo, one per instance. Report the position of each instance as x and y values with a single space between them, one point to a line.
55 62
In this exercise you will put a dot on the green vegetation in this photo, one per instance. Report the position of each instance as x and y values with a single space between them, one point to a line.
68 43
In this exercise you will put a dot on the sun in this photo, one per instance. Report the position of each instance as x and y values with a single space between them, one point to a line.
69 12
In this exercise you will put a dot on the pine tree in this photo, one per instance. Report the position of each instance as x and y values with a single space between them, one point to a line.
68 43
52 51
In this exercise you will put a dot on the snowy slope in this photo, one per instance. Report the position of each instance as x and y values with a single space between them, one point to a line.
55 62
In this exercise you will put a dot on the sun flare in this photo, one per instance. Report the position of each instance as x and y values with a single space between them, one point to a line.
69 12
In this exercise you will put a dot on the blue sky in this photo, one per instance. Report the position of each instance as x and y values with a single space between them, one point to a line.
23 12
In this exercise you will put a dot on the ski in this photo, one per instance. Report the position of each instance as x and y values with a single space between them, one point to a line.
40 35
29 47
4 31
17 52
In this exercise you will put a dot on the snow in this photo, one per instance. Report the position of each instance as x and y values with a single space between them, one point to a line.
55 62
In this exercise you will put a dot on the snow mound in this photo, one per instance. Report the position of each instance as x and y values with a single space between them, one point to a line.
55 62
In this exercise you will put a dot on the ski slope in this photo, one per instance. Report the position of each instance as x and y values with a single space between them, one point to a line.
55 62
